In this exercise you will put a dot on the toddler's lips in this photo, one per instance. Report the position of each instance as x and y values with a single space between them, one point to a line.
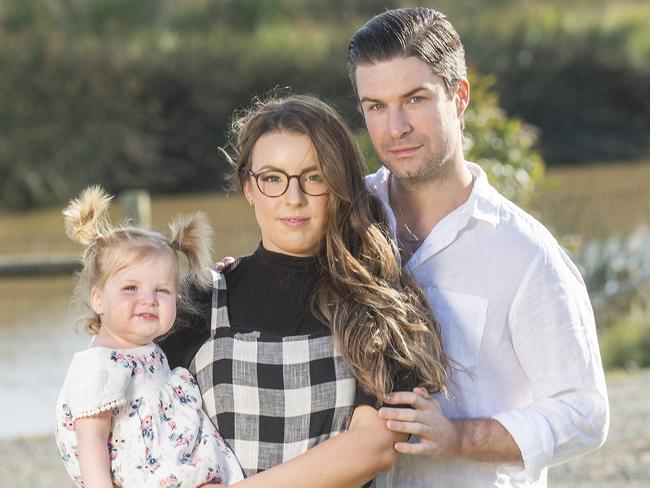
148 316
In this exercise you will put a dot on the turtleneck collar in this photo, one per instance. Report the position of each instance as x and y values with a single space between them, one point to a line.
283 262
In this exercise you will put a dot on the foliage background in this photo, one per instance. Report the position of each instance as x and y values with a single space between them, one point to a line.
139 94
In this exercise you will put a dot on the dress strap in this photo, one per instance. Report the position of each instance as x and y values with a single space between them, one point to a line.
219 315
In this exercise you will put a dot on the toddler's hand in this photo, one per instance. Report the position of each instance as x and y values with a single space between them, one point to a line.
224 263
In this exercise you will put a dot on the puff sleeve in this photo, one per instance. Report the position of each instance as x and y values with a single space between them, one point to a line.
95 383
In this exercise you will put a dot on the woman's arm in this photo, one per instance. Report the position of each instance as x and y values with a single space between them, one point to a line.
346 460
94 461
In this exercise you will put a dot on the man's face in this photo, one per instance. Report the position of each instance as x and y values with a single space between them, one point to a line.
413 123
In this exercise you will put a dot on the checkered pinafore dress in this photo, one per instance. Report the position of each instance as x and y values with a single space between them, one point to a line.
271 397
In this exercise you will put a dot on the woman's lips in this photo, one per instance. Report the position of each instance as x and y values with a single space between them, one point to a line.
294 221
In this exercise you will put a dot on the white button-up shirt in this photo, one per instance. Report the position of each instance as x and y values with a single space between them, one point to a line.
516 319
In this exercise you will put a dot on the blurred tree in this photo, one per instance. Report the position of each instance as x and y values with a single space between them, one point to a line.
140 93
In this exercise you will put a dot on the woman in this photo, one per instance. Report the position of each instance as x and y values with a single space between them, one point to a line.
303 339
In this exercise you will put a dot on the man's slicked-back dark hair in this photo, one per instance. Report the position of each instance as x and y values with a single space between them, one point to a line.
420 32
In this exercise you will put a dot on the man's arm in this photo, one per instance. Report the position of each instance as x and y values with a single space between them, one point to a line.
441 438
553 333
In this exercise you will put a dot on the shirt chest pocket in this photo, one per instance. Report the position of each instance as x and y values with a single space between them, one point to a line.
462 322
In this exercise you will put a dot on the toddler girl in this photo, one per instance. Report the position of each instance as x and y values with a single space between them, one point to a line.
123 418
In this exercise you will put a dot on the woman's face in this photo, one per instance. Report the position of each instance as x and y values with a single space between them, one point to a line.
294 222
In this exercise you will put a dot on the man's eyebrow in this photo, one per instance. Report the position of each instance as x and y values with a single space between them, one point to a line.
405 95
415 90
368 99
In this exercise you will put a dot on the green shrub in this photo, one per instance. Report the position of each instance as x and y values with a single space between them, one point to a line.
140 93
579 72
626 344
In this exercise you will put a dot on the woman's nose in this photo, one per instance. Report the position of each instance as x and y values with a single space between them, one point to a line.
294 194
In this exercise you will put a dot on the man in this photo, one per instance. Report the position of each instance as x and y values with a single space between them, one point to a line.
527 390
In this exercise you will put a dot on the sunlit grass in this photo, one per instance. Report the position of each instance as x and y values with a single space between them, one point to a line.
595 201
41 231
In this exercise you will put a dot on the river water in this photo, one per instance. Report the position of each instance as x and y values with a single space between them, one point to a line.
37 341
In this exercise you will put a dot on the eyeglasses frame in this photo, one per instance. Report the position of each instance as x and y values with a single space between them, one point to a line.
298 177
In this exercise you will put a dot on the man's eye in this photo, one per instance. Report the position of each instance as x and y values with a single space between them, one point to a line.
416 99
376 106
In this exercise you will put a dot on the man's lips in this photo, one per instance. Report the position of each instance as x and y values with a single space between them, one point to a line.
404 150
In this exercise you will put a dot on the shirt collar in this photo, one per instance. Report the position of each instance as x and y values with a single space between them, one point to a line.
482 204
483 201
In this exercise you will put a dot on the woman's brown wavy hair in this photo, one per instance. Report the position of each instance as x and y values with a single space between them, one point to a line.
379 318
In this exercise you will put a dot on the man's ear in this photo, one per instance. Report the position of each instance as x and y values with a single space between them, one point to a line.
462 96
96 300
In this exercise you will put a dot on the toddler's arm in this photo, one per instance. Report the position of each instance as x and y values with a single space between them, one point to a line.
94 461
346 460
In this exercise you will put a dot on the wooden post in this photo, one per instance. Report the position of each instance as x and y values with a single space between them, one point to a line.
41 264
136 207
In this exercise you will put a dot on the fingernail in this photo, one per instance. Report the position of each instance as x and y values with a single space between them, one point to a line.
382 412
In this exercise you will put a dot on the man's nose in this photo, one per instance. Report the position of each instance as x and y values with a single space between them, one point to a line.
398 124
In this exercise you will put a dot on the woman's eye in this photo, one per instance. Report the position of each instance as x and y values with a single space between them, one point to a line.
271 178
130 288
314 178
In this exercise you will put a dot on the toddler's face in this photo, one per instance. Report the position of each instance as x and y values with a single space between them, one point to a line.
138 303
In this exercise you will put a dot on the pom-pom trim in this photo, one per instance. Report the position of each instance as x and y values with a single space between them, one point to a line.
112 405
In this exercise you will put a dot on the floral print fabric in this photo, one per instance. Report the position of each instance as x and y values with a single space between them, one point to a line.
159 437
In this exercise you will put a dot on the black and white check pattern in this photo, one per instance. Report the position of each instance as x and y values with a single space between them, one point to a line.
271 397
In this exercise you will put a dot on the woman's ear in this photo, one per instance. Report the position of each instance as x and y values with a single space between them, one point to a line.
248 192
96 300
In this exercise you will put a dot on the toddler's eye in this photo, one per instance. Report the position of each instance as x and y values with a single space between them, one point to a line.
130 288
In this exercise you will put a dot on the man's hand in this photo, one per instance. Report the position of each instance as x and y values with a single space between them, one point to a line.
440 438
224 263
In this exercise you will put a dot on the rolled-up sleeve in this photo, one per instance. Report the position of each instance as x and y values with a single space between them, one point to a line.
554 335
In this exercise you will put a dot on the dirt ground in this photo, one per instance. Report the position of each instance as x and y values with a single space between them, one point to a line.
623 462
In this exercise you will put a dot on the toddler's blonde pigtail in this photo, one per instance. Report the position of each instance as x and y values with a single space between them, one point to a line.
192 235
86 217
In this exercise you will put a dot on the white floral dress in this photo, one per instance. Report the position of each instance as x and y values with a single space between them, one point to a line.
160 436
